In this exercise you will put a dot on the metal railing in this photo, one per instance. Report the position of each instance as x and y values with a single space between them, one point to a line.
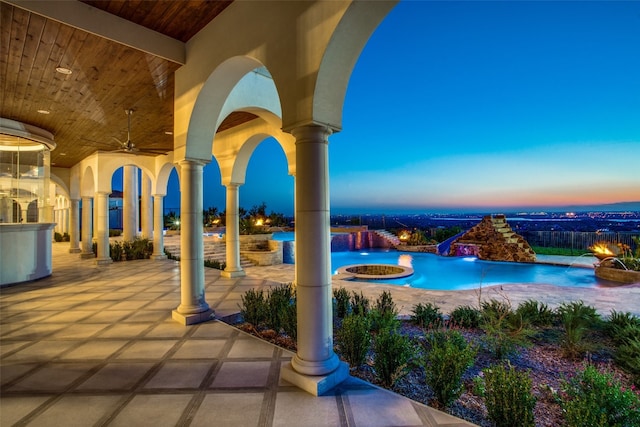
578 241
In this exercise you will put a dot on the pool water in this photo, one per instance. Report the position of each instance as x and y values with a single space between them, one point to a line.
459 273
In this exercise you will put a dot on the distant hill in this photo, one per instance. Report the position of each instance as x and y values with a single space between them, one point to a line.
611 207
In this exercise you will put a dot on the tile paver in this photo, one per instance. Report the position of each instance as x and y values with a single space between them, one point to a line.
96 346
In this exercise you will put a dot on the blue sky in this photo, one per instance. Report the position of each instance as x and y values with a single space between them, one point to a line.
479 106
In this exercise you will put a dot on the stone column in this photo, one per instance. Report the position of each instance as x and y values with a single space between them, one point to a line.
57 220
65 220
146 208
87 228
233 268
129 202
74 226
94 235
193 308
102 228
315 358
158 225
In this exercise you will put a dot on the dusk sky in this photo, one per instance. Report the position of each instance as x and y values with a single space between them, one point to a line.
478 106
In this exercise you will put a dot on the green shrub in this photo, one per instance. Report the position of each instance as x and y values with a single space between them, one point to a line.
353 339
254 307
130 250
170 255
290 318
627 351
278 302
380 320
535 313
359 303
57 237
448 356
342 306
577 320
465 316
115 251
426 315
127 251
214 263
385 304
504 329
392 353
508 396
619 321
594 398
384 315
495 309
114 233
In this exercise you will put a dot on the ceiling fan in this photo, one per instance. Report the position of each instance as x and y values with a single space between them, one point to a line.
129 147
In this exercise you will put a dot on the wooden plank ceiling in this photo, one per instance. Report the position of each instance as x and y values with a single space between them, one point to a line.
87 108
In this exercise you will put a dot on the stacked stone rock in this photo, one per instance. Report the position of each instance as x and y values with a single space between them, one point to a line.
496 241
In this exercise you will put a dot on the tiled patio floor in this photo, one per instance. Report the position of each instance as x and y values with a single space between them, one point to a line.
96 346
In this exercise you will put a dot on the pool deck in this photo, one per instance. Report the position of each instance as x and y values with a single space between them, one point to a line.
95 346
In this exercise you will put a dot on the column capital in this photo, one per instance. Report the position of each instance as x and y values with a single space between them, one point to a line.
192 162
311 133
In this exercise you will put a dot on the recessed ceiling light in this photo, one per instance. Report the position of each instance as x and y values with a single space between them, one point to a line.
44 111
63 70
63 154
168 133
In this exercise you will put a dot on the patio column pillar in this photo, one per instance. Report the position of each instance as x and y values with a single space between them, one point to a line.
102 228
146 208
129 202
94 229
87 228
193 308
233 268
158 225
315 356
56 220
74 226
65 219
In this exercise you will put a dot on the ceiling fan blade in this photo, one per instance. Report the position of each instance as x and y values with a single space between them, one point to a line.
122 144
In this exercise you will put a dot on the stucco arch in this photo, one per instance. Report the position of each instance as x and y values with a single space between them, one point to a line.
159 187
349 38
61 186
293 61
110 162
232 149
194 141
88 183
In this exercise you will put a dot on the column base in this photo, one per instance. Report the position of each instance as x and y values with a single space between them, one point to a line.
103 261
193 318
85 255
232 274
155 257
316 385
75 250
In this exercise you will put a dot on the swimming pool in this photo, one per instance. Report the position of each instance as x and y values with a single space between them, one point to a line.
458 273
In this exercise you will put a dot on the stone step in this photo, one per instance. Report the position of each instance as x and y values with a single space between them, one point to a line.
391 238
